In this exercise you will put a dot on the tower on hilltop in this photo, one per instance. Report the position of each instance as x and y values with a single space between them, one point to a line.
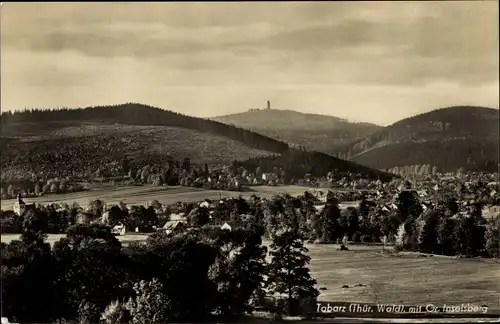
268 105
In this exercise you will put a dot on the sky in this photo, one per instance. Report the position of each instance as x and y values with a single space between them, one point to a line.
365 61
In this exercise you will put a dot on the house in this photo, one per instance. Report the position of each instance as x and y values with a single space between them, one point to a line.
20 207
119 229
105 218
495 209
330 196
5 320
319 208
173 226
422 193
321 198
269 177
176 216
425 206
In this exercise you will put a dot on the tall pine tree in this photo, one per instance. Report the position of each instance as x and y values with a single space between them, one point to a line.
288 272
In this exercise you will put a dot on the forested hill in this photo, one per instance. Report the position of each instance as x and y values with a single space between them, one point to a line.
313 131
55 141
282 119
449 138
139 114
296 162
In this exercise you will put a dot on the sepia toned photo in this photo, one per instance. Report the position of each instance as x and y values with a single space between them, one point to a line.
250 162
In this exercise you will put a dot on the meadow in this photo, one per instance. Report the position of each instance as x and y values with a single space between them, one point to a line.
403 278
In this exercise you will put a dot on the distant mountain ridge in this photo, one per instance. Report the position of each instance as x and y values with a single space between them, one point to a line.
142 133
449 138
316 132
274 118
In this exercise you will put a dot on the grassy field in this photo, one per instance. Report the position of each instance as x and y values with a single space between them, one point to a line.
140 195
404 278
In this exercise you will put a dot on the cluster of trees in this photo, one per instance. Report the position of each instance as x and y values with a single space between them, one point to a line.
370 222
57 219
29 188
440 234
408 225
165 172
185 174
418 170
195 275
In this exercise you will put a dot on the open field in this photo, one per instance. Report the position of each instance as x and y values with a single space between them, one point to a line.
388 278
404 278
140 195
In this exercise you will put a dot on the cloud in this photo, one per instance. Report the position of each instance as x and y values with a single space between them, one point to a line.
183 15
222 54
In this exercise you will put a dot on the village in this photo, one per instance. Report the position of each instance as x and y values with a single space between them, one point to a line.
472 193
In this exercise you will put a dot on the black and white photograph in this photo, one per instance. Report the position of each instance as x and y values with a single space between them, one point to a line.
250 162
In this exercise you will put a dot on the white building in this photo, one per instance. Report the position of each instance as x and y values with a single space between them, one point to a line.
269 177
19 206
226 227
119 229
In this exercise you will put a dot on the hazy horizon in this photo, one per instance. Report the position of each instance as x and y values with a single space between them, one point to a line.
375 62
